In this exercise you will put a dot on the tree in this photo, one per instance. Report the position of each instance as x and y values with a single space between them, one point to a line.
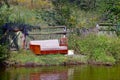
6 2
113 11
2 2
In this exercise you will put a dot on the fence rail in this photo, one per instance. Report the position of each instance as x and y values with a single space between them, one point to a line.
45 33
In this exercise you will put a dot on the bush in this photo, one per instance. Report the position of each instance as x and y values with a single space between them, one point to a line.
3 53
73 43
4 14
97 48
114 48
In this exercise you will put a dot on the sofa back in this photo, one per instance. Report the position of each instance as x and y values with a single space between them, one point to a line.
46 43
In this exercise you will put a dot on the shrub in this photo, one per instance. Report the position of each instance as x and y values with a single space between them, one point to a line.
3 53
73 41
4 14
114 48
98 48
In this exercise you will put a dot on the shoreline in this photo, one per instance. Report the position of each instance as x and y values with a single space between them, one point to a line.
28 59
31 64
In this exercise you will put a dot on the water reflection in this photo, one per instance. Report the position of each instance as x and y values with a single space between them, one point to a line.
47 73
62 73
49 76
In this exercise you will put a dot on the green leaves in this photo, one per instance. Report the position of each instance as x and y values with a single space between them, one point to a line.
3 53
22 15
114 9
97 48
4 14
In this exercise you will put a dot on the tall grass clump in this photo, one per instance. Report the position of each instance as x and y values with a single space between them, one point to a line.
73 43
100 48
96 47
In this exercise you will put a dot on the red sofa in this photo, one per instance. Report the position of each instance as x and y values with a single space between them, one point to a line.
49 46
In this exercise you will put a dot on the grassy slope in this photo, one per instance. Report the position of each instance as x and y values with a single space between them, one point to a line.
79 18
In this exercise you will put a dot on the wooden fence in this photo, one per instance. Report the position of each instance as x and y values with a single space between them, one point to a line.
100 29
45 33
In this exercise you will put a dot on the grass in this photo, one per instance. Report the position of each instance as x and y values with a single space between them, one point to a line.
3 53
99 49
77 17
27 57
85 19
102 48
89 49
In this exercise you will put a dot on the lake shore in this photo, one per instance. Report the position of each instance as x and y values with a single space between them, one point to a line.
28 59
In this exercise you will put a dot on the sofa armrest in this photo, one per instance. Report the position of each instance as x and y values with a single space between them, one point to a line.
63 42
35 49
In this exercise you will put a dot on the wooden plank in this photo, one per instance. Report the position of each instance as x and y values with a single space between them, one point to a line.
44 27
45 33
106 30
107 24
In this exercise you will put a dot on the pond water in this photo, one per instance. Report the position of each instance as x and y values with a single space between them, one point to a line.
83 72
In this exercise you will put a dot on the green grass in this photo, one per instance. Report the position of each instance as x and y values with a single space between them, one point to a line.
92 48
102 48
4 53
77 17
23 57
84 19
97 48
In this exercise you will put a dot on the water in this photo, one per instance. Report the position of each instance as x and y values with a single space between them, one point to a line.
83 72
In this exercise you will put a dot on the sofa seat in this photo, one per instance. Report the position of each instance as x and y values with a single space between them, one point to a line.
47 47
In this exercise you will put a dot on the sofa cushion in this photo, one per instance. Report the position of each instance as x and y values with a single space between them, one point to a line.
47 44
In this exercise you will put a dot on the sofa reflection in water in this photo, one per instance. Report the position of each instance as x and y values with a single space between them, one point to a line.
61 75
49 76
38 74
